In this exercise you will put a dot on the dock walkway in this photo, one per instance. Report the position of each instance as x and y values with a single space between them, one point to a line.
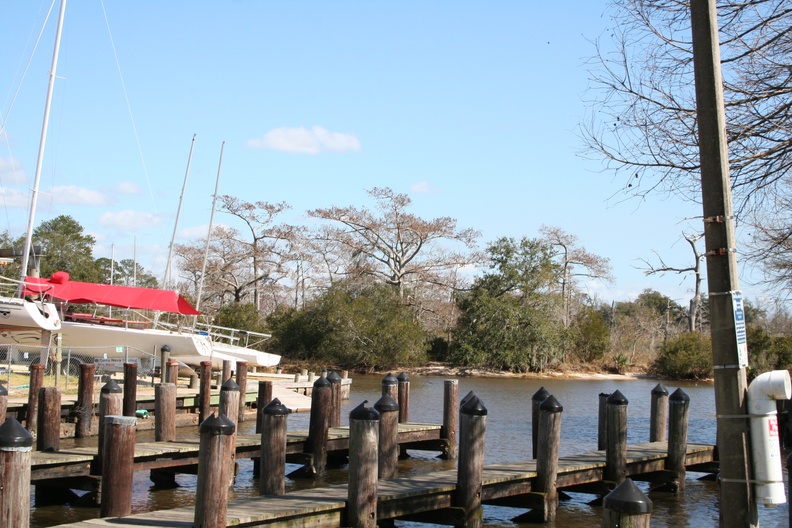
76 461
416 496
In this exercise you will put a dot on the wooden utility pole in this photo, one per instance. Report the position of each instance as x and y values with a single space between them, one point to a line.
729 352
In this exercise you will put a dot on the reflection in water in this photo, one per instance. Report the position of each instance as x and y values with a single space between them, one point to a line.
507 439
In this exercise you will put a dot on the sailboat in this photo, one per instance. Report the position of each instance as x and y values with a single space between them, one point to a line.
17 310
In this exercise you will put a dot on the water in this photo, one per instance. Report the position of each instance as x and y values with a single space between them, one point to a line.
507 439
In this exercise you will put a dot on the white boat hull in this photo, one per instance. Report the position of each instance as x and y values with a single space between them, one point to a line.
31 315
186 347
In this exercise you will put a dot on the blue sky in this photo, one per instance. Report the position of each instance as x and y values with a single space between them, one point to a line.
471 108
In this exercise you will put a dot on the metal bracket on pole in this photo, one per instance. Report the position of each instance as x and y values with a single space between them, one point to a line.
719 252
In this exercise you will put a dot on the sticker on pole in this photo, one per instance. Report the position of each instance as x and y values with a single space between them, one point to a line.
739 328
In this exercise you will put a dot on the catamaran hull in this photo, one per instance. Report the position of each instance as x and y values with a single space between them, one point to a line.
187 348
18 313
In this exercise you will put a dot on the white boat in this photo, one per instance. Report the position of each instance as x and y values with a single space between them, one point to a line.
189 345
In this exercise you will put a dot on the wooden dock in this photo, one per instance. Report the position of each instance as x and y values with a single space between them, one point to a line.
426 498
75 462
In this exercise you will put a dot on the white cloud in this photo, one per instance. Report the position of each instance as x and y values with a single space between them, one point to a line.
306 141
126 187
129 220
424 188
73 195
12 172
14 198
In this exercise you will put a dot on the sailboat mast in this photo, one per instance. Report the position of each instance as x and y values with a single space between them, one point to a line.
209 233
42 142
178 213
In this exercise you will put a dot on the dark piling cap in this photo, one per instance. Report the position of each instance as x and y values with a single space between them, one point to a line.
605 395
540 395
464 400
218 425
403 377
333 378
390 379
473 406
111 387
617 398
230 385
660 390
361 412
3 390
627 498
13 435
321 381
679 396
551 405
275 408
386 404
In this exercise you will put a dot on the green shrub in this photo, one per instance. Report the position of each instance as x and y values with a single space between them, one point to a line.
685 356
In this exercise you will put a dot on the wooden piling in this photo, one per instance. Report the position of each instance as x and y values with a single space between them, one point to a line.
226 371
263 399
472 429
241 380
390 386
117 466
679 404
388 454
130 388
547 454
205 391
404 397
363 467
335 384
536 400
16 446
272 463
49 419
229 406
164 358
3 402
658 415
84 409
164 412
616 449
449 429
111 403
321 407
173 372
602 422
626 507
214 466
36 382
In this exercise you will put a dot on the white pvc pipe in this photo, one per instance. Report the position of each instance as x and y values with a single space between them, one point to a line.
768 471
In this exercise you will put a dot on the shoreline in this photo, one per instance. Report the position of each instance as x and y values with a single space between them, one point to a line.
462 372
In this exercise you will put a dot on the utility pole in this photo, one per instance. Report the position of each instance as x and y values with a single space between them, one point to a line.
729 352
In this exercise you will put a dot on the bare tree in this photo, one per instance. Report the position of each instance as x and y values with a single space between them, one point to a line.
643 118
394 245
695 269
269 243
575 262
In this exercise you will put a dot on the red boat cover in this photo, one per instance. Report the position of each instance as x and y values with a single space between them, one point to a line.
60 287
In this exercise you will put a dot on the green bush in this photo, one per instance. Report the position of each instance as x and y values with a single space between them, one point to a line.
685 356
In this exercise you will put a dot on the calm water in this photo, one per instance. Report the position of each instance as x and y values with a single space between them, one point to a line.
507 439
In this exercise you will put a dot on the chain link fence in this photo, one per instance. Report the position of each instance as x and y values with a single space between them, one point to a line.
62 363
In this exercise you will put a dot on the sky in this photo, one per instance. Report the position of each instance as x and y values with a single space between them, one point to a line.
473 109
